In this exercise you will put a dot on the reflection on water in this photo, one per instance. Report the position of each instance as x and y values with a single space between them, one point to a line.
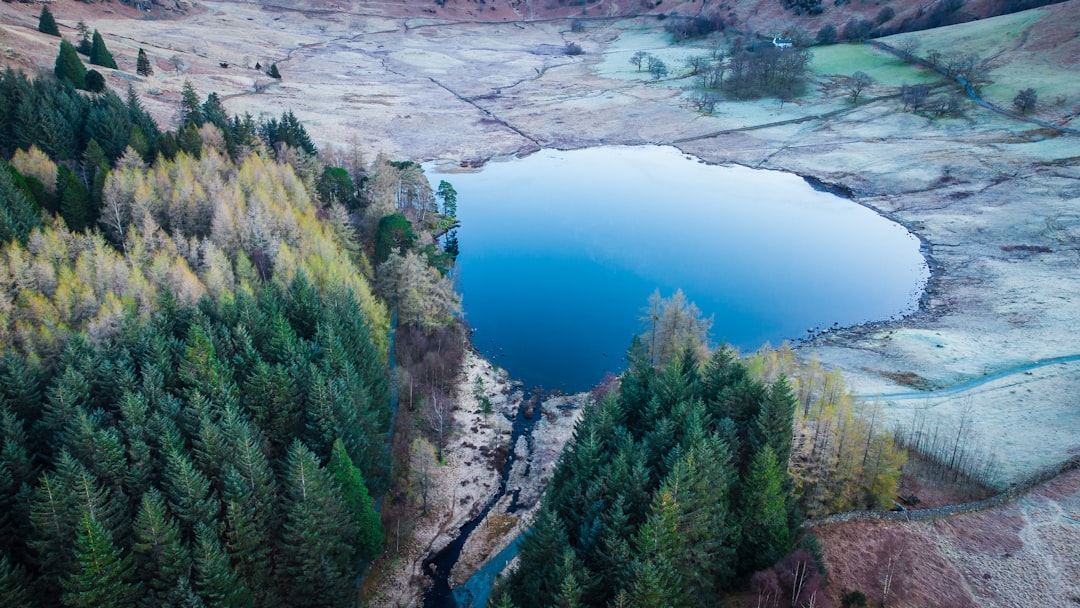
560 250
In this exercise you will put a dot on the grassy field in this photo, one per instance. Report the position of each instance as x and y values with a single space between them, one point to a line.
884 68
986 37
1035 48
656 42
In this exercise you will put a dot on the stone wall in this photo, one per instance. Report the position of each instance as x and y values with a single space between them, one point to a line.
1013 492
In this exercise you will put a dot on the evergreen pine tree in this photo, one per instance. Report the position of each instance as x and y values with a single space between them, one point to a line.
657 579
315 565
189 141
21 214
249 532
134 422
75 202
189 494
214 112
142 64
273 71
54 513
448 195
15 585
183 596
100 449
215 582
109 509
96 167
21 385
763 513
707 527
775 421
108 123
542 549
69 393
161 558
273 400
17 474
250 497
369 537
570 590
99 55
69 67
190 108
453 249
102 577
46 23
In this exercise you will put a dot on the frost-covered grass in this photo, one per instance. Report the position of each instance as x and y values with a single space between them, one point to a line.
656 42
884 68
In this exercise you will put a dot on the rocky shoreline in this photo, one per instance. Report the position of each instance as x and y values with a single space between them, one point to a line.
468 478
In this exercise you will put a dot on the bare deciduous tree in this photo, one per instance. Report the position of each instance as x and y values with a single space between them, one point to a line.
890 568
908 46
914 96
438 412
856 84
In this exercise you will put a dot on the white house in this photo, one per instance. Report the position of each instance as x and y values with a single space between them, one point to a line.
782 43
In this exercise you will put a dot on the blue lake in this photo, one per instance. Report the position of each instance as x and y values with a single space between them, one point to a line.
561 250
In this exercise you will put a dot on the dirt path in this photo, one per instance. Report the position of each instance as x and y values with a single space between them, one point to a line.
960 390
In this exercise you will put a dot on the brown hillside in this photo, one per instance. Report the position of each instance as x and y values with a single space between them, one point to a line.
1021 554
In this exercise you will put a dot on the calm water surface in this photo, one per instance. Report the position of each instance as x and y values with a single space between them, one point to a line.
560 251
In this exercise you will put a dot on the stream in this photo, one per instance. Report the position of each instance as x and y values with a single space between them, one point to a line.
439 565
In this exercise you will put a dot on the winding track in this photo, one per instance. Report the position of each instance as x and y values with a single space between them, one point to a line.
972 384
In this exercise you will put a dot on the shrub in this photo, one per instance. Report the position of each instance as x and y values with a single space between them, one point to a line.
1026 100
95 82
826 35
853 599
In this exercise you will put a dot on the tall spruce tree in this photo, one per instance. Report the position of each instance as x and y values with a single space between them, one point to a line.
21 214
142 64
369 536
76 206
99 54
315 558
15 585
161 558
542 549
215 582
189 493
190 110
766 536
69 67
103 575
776 418
46 23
